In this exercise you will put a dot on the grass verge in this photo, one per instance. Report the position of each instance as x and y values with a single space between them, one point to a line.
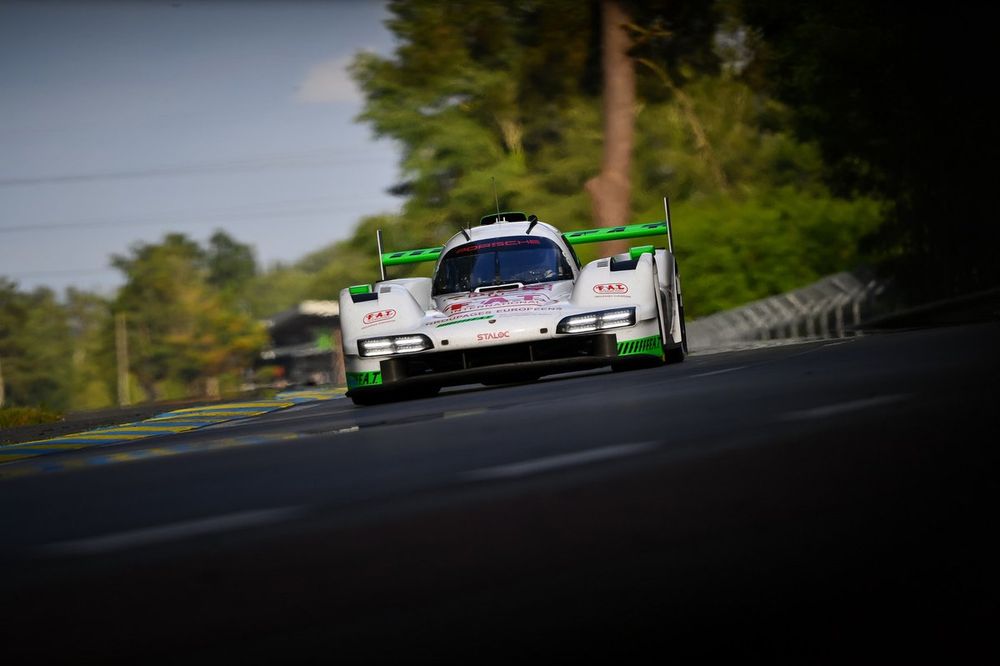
12 417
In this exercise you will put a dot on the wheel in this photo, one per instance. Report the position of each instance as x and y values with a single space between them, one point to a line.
382 396
635 363
425 391
366 398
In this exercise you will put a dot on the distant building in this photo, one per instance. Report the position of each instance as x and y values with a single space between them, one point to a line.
305 344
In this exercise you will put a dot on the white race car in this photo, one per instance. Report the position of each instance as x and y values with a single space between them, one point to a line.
510 302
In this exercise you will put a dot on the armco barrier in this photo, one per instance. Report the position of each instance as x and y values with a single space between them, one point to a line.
828 308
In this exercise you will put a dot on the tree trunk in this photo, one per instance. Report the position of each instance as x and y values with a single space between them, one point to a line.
121 359
610 190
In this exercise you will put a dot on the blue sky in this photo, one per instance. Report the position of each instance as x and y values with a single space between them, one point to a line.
122 121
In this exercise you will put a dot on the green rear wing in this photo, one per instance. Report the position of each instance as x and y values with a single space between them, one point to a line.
641 230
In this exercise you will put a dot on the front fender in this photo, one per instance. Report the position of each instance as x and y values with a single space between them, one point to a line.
605 285
390 309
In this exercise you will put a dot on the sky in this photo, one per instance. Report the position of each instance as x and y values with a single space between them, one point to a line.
123 121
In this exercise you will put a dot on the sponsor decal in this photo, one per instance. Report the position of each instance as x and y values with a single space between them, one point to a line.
497 335
371 378
378 316
611 289
489 245
528 309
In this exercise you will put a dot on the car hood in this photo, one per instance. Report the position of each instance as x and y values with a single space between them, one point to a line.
520 301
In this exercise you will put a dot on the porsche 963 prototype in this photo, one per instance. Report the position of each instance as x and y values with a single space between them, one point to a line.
510 302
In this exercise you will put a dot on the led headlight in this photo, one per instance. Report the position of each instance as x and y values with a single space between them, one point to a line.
597 321
393 344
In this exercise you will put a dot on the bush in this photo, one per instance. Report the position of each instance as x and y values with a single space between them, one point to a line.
11 417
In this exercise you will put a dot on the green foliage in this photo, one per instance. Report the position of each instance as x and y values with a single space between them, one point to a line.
12 417
92 373
35 348
769 225
754 134
488 93
900 106
231 264
183 330
732 252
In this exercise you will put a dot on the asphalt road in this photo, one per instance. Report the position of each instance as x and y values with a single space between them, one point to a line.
813 502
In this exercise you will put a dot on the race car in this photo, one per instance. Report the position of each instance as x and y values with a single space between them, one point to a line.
510 302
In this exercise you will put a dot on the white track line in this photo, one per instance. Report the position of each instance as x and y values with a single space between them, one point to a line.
558 462
718 372
171 532
840 408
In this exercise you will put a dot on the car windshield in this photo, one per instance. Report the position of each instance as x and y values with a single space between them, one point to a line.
501 261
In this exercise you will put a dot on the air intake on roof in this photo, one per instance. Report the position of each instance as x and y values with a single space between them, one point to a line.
503 217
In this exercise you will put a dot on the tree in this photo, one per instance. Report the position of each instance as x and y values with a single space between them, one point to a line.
183 333
88 318
231 264
35 347
489 90
610 189
901 105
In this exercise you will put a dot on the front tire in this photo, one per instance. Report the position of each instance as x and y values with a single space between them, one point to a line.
512 378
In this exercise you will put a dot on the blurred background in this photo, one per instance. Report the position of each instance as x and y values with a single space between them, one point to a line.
185 187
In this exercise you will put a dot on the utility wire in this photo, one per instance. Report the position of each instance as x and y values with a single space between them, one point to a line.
290 160
186 219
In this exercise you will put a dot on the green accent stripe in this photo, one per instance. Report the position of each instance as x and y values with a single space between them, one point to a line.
411 256
641 230
360 289
651 346
462 321
357 379
637 252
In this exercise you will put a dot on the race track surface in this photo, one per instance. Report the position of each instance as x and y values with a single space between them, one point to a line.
813 502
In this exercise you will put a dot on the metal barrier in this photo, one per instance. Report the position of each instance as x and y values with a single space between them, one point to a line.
829 308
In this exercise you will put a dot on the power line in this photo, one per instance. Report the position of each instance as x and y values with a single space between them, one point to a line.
279 161
66 271
188 219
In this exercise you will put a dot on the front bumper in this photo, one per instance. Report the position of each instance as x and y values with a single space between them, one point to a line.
465 366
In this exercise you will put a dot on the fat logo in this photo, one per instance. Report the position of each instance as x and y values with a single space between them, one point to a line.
378 316
612 288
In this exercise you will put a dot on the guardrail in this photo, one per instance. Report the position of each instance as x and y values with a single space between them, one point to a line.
829 308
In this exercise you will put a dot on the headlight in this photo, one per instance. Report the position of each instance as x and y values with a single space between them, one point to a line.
394 344
597 321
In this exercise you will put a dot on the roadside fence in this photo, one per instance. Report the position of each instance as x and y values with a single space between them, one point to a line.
829 308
